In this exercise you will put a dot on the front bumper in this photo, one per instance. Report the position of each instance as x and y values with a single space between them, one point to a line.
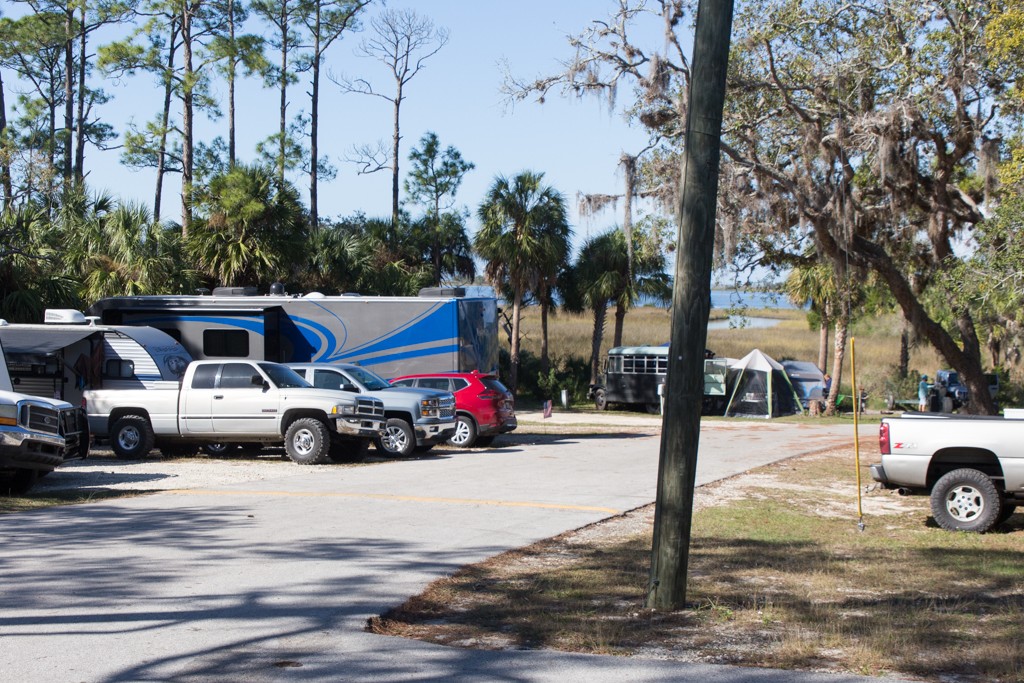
22 449
359 426
434 433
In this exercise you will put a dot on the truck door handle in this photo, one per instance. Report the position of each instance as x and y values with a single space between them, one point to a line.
218 396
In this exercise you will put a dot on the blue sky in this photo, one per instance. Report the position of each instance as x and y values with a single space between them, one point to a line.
576 144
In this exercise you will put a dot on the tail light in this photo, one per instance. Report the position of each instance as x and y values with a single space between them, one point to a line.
883 439
490 395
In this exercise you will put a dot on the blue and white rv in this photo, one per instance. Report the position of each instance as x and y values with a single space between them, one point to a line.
442 330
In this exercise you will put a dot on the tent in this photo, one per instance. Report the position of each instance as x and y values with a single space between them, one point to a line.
806 379
759 387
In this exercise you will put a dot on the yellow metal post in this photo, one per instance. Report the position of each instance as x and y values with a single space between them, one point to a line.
856 430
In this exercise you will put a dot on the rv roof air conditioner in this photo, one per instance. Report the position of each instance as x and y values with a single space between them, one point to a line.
63 316
235 291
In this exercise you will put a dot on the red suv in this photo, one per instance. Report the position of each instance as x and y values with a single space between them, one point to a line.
484 407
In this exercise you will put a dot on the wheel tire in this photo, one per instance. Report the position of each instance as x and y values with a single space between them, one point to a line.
484 441
349 450
219 449
1005 514
966 500
132 437
600 402
20 482
398 438
465 432
307 442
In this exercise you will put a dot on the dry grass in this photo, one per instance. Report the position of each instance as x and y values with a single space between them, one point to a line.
780 576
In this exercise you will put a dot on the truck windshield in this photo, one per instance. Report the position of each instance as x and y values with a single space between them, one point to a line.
368 379
282 377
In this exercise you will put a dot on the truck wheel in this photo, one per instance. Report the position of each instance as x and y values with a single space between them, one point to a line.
219 449
966 500
307 441
398 438
349 450
19 482
465 432
600 402
132 438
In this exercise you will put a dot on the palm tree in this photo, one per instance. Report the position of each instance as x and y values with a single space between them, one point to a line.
524 238
641 275
254 226
594 282
815 285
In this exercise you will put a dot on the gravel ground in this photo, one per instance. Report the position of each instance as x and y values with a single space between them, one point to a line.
103 471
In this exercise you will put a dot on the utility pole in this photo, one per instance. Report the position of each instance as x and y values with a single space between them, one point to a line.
691 303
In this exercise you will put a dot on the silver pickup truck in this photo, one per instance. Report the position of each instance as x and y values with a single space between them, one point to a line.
239 401
971 466
417 419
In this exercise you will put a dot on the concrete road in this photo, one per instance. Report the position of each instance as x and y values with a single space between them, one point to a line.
274 581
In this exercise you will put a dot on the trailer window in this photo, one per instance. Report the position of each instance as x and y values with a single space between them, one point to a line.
115 368
226 343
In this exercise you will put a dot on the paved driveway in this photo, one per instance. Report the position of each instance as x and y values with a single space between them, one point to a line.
274 580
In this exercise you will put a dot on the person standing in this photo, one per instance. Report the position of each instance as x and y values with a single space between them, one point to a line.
922 394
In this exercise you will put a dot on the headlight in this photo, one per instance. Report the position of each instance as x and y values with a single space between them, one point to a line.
344 410
9 415
429 408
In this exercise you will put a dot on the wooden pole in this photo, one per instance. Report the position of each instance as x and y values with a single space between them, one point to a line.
691 303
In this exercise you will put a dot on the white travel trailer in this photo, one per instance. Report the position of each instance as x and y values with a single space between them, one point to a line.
69 353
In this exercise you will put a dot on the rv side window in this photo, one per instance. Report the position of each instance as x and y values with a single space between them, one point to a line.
613 364
204 376
226 343
116 368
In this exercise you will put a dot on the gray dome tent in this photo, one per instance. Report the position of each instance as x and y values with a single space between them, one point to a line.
760 387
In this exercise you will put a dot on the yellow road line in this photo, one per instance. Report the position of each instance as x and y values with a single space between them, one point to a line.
386 496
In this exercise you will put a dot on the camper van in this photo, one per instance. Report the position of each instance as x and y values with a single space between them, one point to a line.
634 376
69 353
442 330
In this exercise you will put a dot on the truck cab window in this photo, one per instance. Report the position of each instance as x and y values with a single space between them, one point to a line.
204 376
237 376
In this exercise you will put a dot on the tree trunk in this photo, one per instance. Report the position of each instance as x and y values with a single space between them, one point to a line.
966 361
165 120
395 141
5 164
691 304
904 367
513 373
231 87
283 85
825 316
620 321
842 321
545 361
314 216
80 123
600 314
69 93
629 171
186 118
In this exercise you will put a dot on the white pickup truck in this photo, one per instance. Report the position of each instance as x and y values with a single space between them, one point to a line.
238 401
971 466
